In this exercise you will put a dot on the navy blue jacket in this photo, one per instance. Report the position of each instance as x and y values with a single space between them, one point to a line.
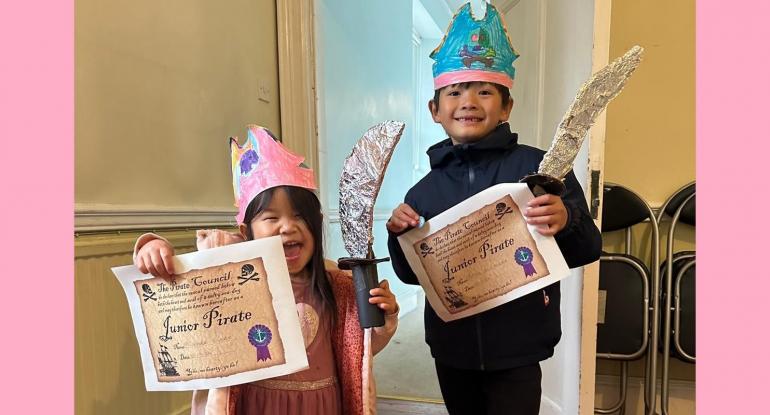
523 331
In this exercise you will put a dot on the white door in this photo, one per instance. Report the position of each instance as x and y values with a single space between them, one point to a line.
555 41
372 65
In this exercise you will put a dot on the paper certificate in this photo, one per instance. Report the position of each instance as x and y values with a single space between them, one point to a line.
228 318
482 253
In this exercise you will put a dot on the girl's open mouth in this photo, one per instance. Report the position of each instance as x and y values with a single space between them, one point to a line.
291 250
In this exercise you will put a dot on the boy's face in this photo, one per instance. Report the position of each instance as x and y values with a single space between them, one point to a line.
469 113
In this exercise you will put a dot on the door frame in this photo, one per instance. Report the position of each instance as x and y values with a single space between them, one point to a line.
295 23
594 194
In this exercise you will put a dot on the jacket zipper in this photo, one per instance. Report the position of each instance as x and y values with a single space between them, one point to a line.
478 339
471 178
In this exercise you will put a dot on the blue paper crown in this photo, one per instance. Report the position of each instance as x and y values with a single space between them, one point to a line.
474 50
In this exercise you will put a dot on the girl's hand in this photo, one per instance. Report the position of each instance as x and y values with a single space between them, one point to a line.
384 298
155 257
547 211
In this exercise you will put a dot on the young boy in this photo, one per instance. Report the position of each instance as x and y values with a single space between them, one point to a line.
489 363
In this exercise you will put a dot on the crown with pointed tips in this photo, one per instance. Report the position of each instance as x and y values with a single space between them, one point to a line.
263 163
474 50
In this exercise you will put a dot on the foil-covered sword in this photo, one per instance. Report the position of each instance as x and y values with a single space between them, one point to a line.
360 184
593 97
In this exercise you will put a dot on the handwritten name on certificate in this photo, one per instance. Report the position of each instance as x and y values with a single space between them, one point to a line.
482 253
227 318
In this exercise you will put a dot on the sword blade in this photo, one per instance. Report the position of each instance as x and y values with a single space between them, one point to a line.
590 101
360 184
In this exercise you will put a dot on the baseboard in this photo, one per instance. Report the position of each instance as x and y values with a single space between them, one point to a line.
634 381
681 394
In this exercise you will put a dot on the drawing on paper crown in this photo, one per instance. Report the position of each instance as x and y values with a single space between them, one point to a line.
474 50
263 163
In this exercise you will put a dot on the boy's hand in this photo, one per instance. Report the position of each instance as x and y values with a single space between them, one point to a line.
384 298
155 257
403 217
549 212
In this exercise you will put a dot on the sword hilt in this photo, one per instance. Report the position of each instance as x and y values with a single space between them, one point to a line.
540 184
364 279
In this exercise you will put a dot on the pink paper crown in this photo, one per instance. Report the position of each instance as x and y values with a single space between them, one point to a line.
263 163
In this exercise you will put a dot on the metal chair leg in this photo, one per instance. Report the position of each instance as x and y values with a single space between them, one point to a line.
620 404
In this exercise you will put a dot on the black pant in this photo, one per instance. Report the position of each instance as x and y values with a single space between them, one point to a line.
491 392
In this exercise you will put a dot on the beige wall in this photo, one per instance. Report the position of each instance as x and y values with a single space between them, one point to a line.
159 87
650 144
108 370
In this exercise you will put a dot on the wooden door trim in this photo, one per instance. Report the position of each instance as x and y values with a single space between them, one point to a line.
601 48
296 78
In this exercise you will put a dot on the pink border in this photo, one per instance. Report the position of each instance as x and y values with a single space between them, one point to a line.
36 162
733 369
455 77
36 100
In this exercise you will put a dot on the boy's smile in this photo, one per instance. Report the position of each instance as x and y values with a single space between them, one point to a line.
469 113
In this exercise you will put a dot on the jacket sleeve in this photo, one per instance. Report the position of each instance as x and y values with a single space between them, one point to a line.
397 259
580 241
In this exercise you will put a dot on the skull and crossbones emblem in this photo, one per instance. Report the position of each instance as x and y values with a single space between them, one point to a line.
148 294
425 249
501 209
247 274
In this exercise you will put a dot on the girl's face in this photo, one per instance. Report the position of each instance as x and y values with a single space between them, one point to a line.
280 218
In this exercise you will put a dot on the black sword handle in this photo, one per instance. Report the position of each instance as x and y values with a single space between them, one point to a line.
364 279
540 184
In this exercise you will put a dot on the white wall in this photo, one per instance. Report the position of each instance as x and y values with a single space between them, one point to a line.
364 76
554 39
524 22
568 46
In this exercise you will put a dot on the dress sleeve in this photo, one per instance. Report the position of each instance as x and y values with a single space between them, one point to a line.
143 239
204 239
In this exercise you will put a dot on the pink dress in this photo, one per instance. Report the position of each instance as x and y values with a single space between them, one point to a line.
312 391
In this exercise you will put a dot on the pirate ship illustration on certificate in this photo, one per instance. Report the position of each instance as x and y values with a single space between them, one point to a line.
167 362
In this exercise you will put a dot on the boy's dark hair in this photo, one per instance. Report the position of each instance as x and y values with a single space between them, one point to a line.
309 208
505 93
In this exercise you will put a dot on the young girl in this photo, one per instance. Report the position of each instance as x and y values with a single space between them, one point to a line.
339 378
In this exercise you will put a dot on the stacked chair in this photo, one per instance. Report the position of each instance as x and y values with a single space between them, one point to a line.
677 294
628 325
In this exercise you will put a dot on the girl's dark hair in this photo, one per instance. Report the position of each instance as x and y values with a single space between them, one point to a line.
308 207
504 92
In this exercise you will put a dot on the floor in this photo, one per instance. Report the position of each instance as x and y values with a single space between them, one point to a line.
404 369
406 379
400 407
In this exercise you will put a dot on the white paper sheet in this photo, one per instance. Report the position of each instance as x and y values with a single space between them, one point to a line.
230 318
481 253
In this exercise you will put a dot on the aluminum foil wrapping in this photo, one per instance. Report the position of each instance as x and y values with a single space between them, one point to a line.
590 101
360 183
